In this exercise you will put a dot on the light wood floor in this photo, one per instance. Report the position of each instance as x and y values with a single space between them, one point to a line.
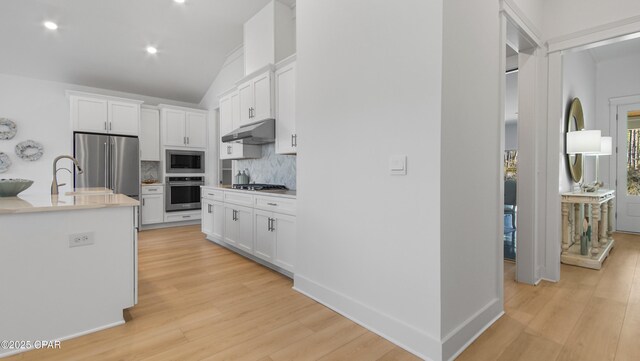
199 301
588 316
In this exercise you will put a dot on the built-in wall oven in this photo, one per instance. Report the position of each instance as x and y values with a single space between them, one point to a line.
184 161
183 193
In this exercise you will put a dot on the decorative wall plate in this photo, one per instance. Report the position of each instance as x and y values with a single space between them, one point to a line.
29 150
8 129
5 162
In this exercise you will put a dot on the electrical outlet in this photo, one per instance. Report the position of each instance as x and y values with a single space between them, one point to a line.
81 239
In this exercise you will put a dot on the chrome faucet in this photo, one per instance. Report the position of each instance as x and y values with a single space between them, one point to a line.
54 184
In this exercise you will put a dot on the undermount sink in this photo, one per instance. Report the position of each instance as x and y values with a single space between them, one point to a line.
12 187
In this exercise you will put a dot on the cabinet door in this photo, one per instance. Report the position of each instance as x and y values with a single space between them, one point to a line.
265 237
262 90
225 126
174 122
231 227
235 111
124 118
149 134
285 230
217 230
244 218
286 110
89 114
207 217
245 103
152 209
196 130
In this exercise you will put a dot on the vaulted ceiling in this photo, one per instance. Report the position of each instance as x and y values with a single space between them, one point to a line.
101 43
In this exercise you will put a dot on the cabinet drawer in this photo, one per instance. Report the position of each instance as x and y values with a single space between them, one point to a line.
276 204
158 189
213 194
182 216
238 198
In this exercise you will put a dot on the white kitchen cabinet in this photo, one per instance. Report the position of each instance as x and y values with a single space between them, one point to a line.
286 137
152 204
213 218
265 245
229 121
124 118
269 36
284 227
255 98
275 239
149 134
102 114
182 127
238 227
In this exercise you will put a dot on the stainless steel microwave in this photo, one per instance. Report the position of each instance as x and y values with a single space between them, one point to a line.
184 161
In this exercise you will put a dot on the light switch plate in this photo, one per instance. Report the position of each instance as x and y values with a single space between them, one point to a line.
398 165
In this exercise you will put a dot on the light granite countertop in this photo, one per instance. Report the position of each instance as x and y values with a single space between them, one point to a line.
276 193
89 190
36 203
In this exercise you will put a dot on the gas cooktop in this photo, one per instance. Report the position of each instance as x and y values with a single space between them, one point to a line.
258 187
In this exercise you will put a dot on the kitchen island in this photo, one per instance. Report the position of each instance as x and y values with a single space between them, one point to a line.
68 265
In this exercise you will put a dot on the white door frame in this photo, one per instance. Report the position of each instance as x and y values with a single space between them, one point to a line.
581 40
614 103
517 32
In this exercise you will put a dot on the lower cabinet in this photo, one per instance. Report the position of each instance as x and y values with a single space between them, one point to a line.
275 238
265 234
213 218
238 227
152 204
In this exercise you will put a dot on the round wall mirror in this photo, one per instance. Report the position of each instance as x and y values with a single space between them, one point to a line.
575 122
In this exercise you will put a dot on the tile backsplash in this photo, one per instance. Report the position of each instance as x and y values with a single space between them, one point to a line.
272 168
150 170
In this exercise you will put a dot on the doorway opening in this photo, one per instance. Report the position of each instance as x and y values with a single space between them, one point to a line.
628 167
510 155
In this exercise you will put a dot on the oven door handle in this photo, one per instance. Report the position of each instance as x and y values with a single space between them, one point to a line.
186 184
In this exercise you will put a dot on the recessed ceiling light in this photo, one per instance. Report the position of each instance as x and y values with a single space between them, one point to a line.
151 50
50 25
179 1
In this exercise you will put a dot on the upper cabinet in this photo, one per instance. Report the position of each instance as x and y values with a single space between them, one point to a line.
269 36
255 98
150 134
285 79
230 115
183 127
103 114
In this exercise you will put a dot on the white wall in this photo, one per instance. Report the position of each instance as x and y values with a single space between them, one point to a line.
566 17
578 80
470 161
41 110
369 242
615 78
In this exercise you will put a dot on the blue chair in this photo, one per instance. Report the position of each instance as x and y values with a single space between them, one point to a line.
510 207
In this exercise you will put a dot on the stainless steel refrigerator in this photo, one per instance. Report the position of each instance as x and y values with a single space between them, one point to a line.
108 161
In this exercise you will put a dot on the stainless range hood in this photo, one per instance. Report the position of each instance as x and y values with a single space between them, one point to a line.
261 132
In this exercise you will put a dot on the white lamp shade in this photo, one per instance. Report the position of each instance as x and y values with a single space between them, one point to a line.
584 142
606 146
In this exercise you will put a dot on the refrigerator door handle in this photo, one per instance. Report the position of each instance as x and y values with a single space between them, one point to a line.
112 173
106 162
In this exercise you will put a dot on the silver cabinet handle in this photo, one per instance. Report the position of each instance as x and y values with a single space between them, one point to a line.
186 216
211 194
295 140
272 204
209 208
152 189
143 201
292 141
110 126
105 125
188 140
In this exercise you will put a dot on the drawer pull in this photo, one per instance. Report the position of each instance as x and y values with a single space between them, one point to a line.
211 194
186 216
272 204
152 189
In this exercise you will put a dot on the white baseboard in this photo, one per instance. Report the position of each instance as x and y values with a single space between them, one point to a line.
78 334
462 336
169 225
416 341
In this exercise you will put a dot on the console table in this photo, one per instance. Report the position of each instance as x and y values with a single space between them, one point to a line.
598 208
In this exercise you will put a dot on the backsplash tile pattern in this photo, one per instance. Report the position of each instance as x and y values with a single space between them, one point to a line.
272 168
150 170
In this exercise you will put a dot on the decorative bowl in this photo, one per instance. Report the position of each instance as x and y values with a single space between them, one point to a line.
12 187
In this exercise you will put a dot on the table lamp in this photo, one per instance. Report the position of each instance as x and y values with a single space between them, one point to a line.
585 142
